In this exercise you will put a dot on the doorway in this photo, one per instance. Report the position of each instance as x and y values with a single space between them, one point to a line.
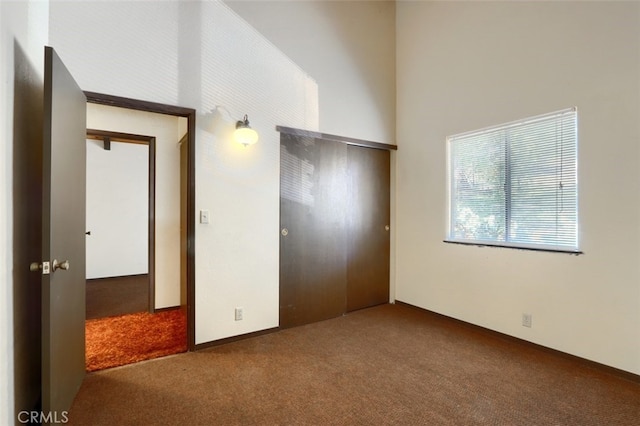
187 199
61 261
120 214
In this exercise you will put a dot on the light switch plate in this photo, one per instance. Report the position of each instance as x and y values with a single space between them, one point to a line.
204 216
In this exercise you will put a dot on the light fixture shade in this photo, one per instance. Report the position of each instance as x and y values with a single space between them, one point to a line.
244 134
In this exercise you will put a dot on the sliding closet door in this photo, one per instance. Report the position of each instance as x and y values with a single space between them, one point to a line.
368 219
313 238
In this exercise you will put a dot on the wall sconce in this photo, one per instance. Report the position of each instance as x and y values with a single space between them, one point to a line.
244 134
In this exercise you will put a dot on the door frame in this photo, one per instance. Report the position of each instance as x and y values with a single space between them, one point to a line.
190 115
107 137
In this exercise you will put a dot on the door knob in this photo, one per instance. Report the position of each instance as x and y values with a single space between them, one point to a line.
60 265
284 232
387 227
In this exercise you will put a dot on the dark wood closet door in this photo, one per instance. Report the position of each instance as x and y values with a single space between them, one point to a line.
313 238
368 218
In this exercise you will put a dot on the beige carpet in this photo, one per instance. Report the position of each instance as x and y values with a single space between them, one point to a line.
389 365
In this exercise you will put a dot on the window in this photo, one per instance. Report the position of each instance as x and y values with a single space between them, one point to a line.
516 184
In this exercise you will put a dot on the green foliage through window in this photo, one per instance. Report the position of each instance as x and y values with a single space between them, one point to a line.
516 184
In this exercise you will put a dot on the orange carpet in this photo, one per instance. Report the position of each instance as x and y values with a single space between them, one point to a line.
121 340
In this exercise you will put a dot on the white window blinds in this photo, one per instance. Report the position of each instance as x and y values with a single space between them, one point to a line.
516 184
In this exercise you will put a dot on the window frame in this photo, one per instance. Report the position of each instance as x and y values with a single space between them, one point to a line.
507 193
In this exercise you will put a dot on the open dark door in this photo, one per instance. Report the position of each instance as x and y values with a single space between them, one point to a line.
63 267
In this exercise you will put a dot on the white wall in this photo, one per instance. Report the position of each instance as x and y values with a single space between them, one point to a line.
6 259
202 55
23 26
348 47
166 130
117 209
467 65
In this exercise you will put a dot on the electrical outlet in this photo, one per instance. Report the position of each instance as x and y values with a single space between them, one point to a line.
526 320
238 314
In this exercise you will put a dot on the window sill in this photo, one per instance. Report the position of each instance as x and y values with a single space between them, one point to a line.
549 250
